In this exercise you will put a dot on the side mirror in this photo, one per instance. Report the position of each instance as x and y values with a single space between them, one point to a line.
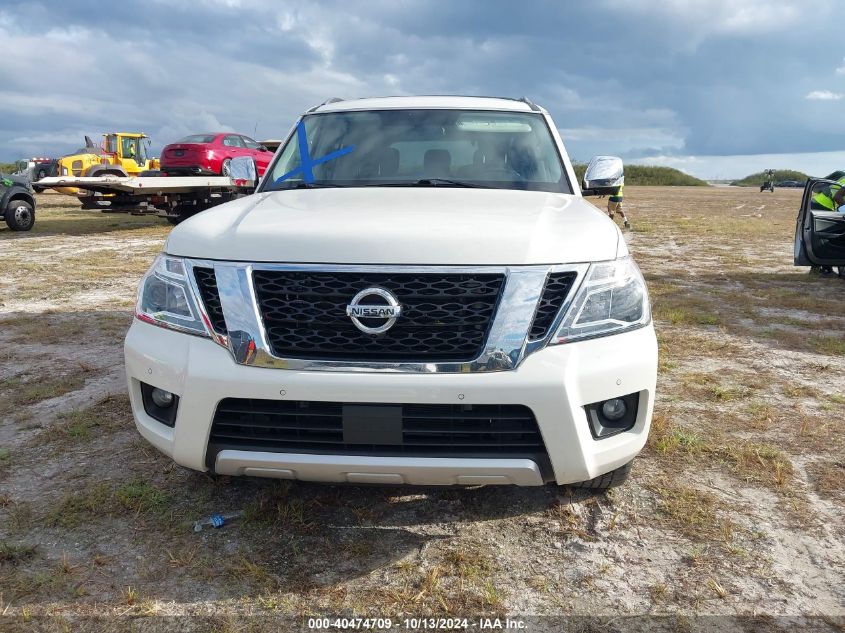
604 176
243 172
261 148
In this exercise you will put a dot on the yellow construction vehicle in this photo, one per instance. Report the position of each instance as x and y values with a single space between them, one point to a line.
121 154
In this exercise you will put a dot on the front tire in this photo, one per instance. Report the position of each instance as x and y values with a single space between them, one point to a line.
608 480
20 216
225 169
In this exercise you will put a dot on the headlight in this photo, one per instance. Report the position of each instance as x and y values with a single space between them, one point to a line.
612 299
165 298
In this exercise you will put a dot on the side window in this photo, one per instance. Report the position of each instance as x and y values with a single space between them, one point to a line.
129 150
250 143
233 140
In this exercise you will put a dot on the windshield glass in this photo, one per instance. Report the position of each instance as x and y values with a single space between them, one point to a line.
506 150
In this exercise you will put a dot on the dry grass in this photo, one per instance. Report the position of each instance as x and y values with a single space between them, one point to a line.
693 513
25 389
828 479
752 462
83 425
136 498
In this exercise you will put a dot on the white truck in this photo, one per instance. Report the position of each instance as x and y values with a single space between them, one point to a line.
416 293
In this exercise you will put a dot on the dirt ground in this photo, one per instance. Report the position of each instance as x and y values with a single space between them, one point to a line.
735 508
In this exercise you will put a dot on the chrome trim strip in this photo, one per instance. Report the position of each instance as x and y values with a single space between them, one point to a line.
506 346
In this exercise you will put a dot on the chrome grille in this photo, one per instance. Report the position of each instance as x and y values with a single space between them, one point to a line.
207 284
555 291
445 316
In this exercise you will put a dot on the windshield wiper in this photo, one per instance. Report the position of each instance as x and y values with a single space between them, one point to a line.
433 182
428 182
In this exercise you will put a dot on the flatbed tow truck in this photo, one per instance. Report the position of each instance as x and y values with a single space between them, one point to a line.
173 198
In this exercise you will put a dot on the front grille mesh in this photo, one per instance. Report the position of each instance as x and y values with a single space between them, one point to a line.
427 429
207 284
554 294
445 316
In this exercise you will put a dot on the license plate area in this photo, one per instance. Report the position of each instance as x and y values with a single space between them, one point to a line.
372 424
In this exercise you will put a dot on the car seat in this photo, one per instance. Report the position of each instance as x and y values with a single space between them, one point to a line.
437 163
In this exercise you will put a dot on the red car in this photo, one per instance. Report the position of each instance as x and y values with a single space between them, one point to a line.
204 154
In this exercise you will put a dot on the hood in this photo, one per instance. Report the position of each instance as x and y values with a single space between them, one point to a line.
401 225
15 179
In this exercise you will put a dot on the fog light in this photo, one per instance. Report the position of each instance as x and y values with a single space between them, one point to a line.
162 398
613 416
160 404
613 410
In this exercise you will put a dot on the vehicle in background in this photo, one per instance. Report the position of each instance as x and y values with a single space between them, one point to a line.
820 232
121 154
211 154
790 184
174 198
17 203
36 168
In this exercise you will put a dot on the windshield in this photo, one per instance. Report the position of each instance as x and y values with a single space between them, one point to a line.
505 150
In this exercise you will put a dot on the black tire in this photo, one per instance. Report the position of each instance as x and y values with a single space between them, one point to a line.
841 271
608 480
174 220
151 173
20 216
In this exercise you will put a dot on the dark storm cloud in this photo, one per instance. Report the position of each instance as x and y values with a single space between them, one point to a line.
639 79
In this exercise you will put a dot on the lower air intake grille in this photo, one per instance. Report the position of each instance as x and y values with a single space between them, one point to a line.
430 430
554 294
207 284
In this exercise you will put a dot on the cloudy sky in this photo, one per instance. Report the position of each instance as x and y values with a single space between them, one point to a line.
718 88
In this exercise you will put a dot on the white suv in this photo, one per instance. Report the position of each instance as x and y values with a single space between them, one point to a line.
416 293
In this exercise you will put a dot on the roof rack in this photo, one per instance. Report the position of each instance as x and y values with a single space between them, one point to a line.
529 103
326 102
524 100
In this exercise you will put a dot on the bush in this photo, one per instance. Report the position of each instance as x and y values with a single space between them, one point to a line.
755 180
650 175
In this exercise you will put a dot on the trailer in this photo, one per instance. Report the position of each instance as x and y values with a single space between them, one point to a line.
173 198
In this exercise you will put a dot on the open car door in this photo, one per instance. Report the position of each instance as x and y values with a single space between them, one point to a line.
819 231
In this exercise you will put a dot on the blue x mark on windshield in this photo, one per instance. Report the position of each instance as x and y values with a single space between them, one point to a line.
306 163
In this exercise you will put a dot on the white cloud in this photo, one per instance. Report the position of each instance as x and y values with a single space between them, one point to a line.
841 69
823 95
705 17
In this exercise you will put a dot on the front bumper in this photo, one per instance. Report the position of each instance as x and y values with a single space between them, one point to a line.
555 383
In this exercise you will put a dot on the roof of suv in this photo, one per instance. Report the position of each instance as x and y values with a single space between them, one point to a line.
428 102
